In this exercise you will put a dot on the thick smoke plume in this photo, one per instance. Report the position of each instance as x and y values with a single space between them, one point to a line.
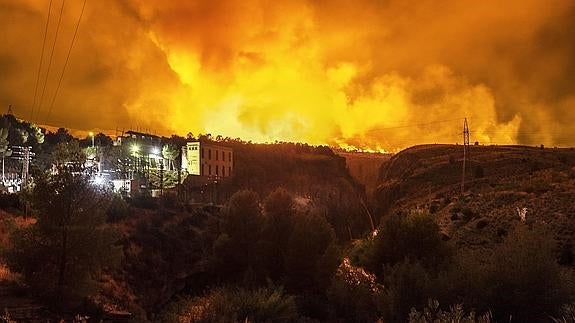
369 74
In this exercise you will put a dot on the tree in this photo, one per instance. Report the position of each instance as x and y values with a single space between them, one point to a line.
524 279
170 152
62 255
415 236
237 247
407 284
4 150
21 132
279 214
68 154
102 140
312 257
61 135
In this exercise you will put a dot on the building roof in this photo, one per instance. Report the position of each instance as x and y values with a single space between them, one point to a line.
141 134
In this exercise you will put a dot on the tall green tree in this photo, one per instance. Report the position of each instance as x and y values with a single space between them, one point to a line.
62 255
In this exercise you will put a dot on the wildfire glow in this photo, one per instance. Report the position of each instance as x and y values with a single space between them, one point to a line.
374 75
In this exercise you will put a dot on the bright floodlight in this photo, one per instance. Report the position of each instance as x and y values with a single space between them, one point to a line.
135 148
98 180
156 151
91 134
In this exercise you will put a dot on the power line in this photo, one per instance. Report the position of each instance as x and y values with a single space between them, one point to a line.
66 62
416 124
41 59
51 56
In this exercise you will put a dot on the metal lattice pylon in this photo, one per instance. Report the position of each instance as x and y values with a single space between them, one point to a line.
465 148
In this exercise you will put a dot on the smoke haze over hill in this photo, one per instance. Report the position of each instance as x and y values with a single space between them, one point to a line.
348 73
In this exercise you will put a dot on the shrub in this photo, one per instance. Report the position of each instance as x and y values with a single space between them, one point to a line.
169 200
63 253
525 281
354 294
8 201
232 304
567 314
144 201
433 314
521 279
407 285
538 187
415 236
118 209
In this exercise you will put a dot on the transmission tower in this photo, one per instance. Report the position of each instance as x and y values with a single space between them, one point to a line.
465 148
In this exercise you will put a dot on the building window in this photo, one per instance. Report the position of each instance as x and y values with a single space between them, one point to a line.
209 154
230 171
217 154
230 156
209 169
223 171
217 170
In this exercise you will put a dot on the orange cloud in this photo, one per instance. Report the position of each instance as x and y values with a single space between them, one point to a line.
366 74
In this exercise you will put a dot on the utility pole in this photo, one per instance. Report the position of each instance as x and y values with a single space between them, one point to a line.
465 148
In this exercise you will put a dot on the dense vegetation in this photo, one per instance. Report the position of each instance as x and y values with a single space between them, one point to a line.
292 241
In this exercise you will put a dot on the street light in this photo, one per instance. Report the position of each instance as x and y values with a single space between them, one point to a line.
92 135
135 149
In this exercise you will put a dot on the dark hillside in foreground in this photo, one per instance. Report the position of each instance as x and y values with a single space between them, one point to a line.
314 173
500 180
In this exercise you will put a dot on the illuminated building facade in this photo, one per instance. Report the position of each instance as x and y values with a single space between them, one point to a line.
147 148
208 159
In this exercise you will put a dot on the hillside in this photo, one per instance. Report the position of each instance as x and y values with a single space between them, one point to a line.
316 173
500 181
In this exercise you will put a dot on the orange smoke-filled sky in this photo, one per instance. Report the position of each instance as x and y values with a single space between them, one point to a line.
371 74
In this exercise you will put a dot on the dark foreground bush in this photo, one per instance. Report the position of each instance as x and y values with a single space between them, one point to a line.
524 280
415 237
521 279
433 314
62 255
233 304
407 284
118 209
354 294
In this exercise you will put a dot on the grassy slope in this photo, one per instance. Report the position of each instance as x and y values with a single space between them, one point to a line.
429 177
